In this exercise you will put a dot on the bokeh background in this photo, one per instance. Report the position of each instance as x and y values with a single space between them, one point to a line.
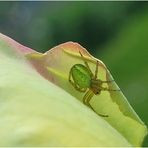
114 32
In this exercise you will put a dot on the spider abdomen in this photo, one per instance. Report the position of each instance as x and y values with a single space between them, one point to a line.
81 75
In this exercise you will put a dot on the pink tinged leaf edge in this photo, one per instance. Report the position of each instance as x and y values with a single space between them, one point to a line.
17 47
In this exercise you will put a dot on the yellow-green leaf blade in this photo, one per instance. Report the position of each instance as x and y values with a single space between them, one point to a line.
35 112
57 63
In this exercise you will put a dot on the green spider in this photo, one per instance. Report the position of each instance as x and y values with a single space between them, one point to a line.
84 79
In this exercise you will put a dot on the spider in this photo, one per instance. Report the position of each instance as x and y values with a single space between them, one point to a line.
85 81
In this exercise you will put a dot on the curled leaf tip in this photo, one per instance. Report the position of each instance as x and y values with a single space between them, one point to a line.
40 107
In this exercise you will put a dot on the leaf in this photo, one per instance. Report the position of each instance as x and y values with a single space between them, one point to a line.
35 112
55 65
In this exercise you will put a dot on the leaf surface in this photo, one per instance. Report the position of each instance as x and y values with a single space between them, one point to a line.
36 112
55 65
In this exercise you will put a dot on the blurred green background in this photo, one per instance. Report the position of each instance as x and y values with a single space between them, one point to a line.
115 32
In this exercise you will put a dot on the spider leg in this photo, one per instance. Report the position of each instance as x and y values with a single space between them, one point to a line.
88 103
108 81
106 89
74 85
86 99
86 96
96 71
86 63
70 74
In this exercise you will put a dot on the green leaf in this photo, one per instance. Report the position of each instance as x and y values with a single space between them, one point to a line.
55 65
36 112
